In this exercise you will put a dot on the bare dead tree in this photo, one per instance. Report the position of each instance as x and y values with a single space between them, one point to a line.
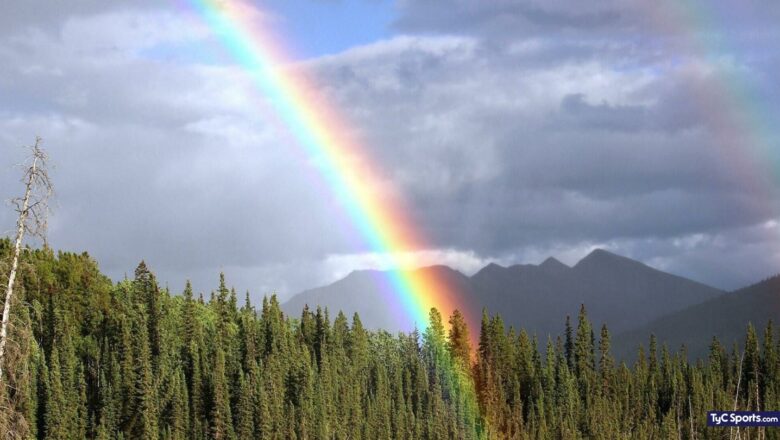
736 393
33 211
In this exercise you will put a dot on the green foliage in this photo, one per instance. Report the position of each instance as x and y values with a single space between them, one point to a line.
128 360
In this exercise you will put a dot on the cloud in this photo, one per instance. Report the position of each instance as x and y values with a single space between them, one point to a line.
176 163
501 153
514 130
500 16
601 20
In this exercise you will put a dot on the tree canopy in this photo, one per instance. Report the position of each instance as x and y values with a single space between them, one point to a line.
131 360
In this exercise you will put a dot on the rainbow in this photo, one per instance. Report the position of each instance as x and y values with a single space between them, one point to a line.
743 122
369 201
743 125
367 198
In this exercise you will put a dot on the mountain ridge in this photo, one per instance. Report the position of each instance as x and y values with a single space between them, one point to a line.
620 291
725 317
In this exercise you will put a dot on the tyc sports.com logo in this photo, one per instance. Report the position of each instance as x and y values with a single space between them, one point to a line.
743 418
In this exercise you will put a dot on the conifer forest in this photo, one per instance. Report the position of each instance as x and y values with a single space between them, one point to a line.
390 220
92 359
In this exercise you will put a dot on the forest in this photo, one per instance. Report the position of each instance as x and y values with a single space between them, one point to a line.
92 359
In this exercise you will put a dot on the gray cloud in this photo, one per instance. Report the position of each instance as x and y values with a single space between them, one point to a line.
496 17
513 129
174 163
603 19
526 156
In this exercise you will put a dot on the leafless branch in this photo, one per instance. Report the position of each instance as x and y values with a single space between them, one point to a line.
33 211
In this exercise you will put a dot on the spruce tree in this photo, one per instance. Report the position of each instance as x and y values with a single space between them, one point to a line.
144 422
583 345
147 292
221 417
458 341
606 363
569 344
245 427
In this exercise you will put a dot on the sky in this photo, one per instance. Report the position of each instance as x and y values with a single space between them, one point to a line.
513 130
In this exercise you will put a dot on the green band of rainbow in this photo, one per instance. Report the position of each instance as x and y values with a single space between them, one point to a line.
377 215
344 165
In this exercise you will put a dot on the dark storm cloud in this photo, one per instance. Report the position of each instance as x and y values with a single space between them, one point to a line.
527 151
513 129
173 163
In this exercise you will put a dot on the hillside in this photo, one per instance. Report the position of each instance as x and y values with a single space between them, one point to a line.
92 359
370 294
724 317
617 290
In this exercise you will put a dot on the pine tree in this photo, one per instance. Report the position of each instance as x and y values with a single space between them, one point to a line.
752 368
606 363
321 334
56 425
245 428
458 341
146 291
433 340
177 413
583 346
770 363
189 318
197 425
569 345
144 423
221 418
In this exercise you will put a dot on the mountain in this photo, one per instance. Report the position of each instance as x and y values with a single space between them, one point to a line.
619 291
725 317
622 292
371 294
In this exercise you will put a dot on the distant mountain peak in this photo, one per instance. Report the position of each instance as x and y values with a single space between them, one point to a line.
491 268
618 290
602 253
435 268
552 263
601 257
358 273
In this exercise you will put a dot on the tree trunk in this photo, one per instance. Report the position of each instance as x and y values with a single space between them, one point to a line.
9 291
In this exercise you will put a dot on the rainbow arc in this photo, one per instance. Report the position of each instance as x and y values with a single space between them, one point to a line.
343 163
378 216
